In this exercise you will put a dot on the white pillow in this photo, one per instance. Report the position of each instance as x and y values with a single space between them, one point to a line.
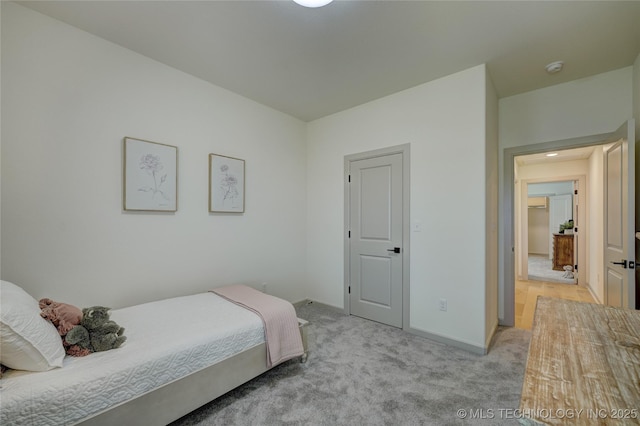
27 341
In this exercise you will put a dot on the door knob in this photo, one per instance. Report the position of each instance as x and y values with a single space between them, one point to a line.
395 249
623 263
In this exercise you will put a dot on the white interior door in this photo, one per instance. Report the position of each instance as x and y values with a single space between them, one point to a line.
376 239
619 219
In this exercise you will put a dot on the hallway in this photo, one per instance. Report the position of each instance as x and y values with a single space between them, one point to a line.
527 293
541 269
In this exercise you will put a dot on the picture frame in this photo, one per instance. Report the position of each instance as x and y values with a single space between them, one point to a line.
150 176
226 184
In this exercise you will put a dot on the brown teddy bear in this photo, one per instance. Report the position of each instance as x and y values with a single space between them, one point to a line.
64 317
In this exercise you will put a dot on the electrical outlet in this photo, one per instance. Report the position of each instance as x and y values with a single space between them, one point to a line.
442 304
264 287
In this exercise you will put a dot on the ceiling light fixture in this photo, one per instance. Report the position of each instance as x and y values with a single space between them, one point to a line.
554 67
552 154
313 3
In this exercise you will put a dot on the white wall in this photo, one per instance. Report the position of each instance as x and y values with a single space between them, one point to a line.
491 224
585 107
538 231
68 99
440 120
636 95
0 145
550 188
589 106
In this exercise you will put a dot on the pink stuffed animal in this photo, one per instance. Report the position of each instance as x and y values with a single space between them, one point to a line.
62 315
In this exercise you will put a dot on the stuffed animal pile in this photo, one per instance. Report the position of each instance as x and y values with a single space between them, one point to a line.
83 331
96 331
62 315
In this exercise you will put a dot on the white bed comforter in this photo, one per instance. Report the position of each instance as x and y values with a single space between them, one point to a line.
166 340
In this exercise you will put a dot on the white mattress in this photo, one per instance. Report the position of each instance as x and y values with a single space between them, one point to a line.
166 340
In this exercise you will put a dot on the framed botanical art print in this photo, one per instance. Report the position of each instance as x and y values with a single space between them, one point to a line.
150 176
226 184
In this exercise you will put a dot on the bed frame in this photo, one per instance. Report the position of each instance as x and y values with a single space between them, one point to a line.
178 398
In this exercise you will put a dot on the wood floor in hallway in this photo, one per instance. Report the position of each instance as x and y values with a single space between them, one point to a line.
527 293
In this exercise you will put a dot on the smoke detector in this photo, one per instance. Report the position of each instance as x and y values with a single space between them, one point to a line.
554 67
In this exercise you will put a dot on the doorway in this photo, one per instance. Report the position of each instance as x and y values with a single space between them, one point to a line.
619 264
552 232
551 217
512 231
377 235
550 248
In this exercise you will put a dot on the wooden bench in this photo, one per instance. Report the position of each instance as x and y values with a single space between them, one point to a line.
583 365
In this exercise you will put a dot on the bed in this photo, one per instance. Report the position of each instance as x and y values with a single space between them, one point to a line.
180 353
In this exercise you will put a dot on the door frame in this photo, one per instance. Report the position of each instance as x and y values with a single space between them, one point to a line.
405 150
506 248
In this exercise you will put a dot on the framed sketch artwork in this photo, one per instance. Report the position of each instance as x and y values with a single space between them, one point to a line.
226 184
150 176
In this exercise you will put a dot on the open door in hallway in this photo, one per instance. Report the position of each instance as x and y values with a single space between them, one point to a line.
619 218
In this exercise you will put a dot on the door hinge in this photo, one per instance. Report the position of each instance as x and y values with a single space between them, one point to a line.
349 234
349 289
575 229
349 178
575 192
575 267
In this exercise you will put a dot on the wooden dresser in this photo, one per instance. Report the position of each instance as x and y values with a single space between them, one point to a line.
562 251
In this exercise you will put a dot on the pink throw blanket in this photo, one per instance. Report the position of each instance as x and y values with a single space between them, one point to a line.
279 317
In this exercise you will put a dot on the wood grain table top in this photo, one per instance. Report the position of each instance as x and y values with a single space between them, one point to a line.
583 365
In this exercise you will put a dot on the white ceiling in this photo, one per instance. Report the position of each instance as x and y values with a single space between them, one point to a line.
314 62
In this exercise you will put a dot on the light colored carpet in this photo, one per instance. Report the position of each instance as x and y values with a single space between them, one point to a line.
364 373
540 268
